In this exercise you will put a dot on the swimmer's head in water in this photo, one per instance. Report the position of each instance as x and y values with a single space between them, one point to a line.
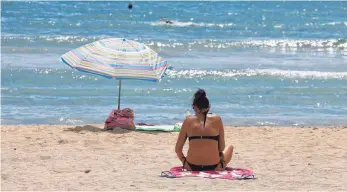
130 6
166 20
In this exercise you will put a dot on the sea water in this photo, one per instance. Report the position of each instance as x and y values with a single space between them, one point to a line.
261 63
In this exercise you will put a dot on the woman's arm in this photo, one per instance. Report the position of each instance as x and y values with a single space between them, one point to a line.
221 134
182 137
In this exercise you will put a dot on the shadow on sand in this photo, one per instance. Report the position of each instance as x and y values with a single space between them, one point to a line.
92 128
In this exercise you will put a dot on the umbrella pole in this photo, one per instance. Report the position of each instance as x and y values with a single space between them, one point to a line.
120 87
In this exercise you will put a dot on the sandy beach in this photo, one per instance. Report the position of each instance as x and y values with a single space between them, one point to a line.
60 158
276 71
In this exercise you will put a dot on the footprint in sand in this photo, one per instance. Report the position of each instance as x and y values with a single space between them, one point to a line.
4 176
45 157
88 143
63 141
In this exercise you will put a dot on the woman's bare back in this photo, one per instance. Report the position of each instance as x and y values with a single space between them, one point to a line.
203 151
206 138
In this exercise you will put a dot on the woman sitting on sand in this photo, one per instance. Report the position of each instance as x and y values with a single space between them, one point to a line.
206 138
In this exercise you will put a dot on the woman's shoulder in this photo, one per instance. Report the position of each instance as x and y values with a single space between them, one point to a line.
214 116
190 118
211 116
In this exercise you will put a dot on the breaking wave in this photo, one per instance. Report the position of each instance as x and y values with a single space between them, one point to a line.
286 74
192 44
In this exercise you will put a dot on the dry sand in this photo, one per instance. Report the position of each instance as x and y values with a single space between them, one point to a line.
60 158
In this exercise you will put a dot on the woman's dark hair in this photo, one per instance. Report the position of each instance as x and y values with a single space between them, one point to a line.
201 102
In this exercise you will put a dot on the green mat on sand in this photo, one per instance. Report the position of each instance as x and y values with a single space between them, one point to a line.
165 128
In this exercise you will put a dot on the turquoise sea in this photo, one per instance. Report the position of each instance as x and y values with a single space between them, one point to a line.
261 63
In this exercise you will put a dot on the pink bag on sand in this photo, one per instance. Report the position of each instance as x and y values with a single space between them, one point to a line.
120 119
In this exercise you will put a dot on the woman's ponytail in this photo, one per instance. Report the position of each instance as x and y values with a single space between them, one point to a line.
205 116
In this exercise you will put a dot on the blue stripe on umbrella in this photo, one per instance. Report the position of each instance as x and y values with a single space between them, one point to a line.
94 73
123 66
86 71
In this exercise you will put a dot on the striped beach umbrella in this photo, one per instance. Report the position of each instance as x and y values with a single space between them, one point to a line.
117 58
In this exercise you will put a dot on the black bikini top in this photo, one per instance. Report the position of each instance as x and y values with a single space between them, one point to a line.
204 137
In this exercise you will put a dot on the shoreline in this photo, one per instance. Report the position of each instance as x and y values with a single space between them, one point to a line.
225 126
66 157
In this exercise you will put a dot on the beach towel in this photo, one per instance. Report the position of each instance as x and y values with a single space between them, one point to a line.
164 128
229 173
